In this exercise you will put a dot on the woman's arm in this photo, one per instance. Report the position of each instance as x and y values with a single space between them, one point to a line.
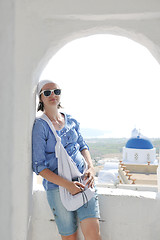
85 152
72 187
90 172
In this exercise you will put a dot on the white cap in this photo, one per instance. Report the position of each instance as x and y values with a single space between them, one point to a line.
41 84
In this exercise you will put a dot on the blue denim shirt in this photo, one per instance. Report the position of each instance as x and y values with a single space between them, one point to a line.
43 146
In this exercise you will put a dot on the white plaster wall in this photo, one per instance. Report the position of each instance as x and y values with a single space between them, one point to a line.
125 214
30 33
129 155
129 215
6 119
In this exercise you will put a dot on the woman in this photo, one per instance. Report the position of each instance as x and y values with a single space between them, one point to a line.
45 164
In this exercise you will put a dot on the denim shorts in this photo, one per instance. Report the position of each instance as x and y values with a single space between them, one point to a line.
67 220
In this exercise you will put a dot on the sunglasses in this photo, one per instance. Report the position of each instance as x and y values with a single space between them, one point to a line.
48 93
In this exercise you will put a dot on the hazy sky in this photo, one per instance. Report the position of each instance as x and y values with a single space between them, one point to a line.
109 83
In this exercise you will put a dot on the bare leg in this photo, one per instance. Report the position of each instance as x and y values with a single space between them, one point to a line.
90 229
70 237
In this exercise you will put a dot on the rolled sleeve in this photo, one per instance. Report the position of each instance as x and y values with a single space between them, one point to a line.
38 147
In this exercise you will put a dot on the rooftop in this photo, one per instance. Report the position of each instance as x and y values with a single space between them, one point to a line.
139 143
142 174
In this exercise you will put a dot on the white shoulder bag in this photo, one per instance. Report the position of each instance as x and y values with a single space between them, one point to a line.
67 169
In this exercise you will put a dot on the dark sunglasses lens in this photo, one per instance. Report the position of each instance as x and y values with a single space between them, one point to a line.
57 91
47 93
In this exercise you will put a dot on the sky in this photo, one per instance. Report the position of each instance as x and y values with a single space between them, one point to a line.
109 83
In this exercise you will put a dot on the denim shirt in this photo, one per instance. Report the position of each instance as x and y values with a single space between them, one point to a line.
43 146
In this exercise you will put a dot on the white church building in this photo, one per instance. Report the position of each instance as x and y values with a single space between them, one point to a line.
139 150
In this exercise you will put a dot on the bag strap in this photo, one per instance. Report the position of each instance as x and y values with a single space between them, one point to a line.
44 117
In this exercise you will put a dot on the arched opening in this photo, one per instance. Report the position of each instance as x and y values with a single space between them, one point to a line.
121 203
121 91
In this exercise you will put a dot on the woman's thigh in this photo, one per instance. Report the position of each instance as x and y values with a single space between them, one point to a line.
90 229
66 220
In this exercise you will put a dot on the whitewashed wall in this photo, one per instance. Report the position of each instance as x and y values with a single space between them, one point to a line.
132 155
6 124
30 33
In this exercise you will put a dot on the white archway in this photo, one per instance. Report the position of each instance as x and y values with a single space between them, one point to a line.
32 31
143 40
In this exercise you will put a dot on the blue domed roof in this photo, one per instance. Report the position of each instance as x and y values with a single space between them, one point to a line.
139 143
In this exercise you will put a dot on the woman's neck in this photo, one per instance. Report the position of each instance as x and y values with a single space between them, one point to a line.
56 118
52 113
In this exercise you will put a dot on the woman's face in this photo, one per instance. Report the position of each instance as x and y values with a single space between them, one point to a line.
52 100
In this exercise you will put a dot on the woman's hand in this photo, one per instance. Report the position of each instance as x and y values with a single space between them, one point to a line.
75 187
89 176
